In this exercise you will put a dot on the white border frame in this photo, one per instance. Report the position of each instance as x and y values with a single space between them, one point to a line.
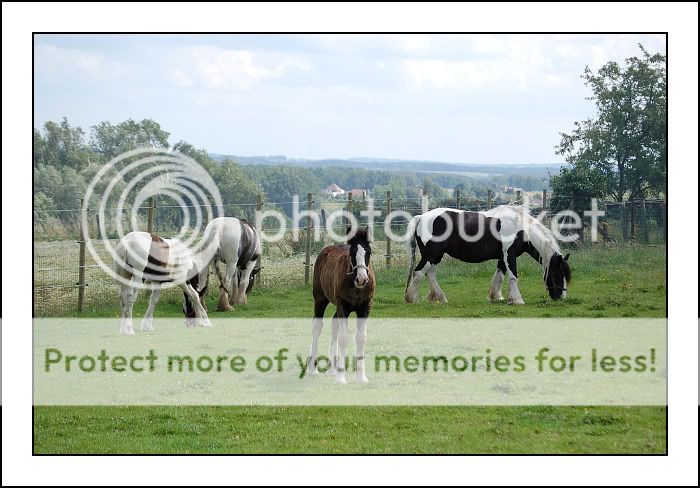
680 20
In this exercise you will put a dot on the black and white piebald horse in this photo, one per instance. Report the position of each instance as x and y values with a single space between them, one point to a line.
502 233
147 258
235 243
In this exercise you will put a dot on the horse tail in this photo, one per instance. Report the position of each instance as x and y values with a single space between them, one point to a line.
411 243
121 265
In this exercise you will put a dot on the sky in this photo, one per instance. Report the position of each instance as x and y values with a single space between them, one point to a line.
491 99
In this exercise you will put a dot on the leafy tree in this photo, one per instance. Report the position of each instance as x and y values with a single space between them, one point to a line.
44 207
62 145
622 150
110 140
47 180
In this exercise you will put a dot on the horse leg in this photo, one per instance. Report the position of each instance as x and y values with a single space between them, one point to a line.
316 328
223 305
495 294
342 348
514 297
126 305
200 314
243 282
360 339
147 322
435 294
231 282
411 294
333 348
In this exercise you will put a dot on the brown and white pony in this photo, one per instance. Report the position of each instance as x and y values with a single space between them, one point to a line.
343 276
502 233
146 258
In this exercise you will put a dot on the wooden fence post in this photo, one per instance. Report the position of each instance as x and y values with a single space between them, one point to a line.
623 222
388 241
151 212
489 200
645 223
81 258
633 222
349 206
458 196
544 200
258 208
307 263
518 197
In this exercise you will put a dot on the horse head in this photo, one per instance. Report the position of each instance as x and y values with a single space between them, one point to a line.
557 276
360 251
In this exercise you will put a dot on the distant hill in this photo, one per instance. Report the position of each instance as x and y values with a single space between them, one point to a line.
473 170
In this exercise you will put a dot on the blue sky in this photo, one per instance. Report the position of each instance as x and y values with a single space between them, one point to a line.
469 98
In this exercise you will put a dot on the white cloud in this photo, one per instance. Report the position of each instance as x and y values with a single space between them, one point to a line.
233 68
59 59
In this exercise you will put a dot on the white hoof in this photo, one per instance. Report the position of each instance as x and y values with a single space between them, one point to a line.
127 331
362 379
331 372
146 325
312 372
340 379
205 323
517 301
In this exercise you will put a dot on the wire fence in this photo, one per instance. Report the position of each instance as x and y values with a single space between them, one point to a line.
68 280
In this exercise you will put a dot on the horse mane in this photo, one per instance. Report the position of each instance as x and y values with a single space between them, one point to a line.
567 272
548 244
360 234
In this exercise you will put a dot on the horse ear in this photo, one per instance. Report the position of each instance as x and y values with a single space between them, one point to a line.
566 258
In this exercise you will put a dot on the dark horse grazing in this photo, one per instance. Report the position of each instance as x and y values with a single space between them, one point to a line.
502 233
343 276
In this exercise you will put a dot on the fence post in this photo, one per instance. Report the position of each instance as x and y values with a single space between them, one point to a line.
645 223
349 206
151 212
544 200
458 196
258 209
81 258
489 200
518 197
307 264
388 241
623 222
633 222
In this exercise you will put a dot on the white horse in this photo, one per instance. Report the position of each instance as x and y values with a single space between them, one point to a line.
147 258
235 243
502 234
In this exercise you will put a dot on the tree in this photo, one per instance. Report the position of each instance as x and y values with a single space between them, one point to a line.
111 140
622 150
62 145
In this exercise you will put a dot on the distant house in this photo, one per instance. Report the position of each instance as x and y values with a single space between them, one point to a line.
359 193
333 190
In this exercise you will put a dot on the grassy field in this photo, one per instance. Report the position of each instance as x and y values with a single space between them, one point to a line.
608 282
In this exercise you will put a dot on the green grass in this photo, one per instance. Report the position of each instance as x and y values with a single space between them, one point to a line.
627 282
349 430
